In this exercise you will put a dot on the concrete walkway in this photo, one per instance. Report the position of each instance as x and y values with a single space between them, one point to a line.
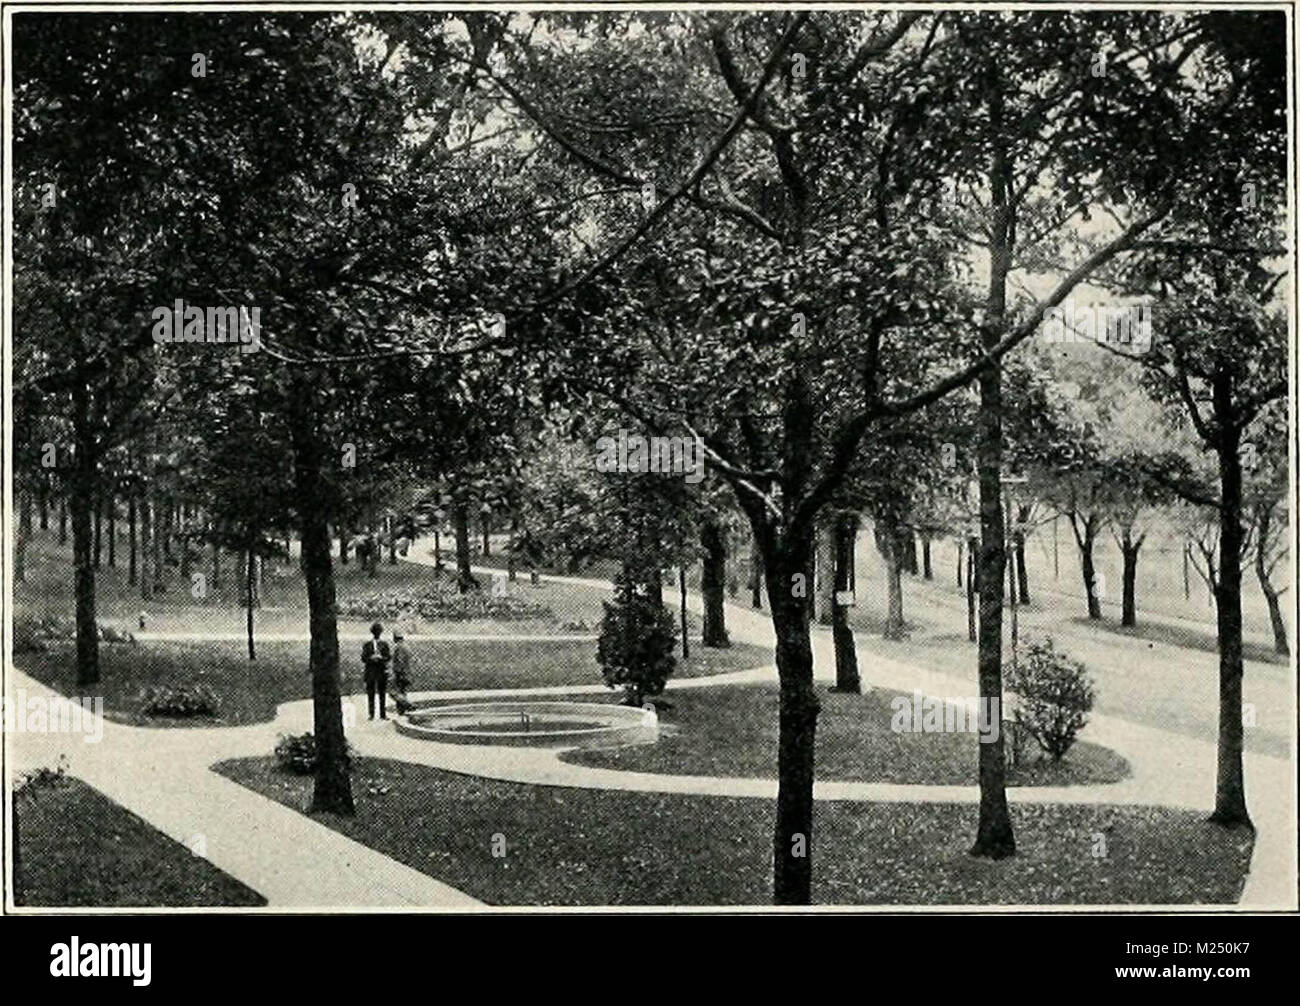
163 776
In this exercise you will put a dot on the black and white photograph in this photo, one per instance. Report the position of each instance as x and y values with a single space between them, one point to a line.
645 458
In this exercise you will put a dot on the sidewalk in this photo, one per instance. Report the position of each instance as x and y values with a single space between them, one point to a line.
163 776
292 860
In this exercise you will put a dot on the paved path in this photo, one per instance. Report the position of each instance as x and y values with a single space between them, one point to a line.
359 636
163 775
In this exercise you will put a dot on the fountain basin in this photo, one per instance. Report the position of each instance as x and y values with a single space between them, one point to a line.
537 724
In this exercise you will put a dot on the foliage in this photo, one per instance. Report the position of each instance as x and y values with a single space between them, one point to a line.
440 602
31 783
635 648
296 753
181 701
1056 695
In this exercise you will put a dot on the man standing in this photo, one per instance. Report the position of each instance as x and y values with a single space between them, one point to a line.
375 655
401 672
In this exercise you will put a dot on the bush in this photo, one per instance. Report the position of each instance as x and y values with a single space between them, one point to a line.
297 753
37 635
442 601
635 648
1056 695
31 783
180 701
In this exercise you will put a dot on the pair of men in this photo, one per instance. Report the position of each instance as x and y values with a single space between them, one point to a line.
376 655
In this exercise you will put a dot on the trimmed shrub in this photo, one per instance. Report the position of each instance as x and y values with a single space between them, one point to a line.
635 648
1056 694
180 701
296 753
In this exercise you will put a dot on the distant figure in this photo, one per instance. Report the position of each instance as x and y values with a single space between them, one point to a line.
375 655
401 672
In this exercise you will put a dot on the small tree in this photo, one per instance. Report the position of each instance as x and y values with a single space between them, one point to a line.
635 648
1056 695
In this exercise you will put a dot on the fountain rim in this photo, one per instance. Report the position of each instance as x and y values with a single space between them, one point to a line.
621 718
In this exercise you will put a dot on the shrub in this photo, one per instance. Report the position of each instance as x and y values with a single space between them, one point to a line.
296 753
442 601
635 648
31 783
37 634
1056 695
180 701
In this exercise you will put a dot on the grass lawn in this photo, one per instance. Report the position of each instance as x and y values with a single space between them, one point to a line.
75 847
604 847
1168 690
249 692
732 731
47 591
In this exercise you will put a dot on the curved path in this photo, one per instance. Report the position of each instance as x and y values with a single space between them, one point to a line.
163 775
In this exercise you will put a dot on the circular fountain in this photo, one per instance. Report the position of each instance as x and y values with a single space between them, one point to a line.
539 724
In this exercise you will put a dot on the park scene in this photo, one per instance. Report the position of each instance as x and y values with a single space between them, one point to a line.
498 458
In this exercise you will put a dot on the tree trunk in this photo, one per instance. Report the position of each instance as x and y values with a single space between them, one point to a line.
756 578
43 510
99 536
1085 541
343 544
464 577
63 521
487 531
713 580
1022 573
216 565
158 538
655 587
972 588
250 600
1129 550
825 606
927 571
846 658
961 558
792 837
82 502
24 533
131 544
146 549
892 546
994 838
112 530
1230 785
1280 643
333 788
168 530
681 591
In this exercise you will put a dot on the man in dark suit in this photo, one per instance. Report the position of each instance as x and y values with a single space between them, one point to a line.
375 655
